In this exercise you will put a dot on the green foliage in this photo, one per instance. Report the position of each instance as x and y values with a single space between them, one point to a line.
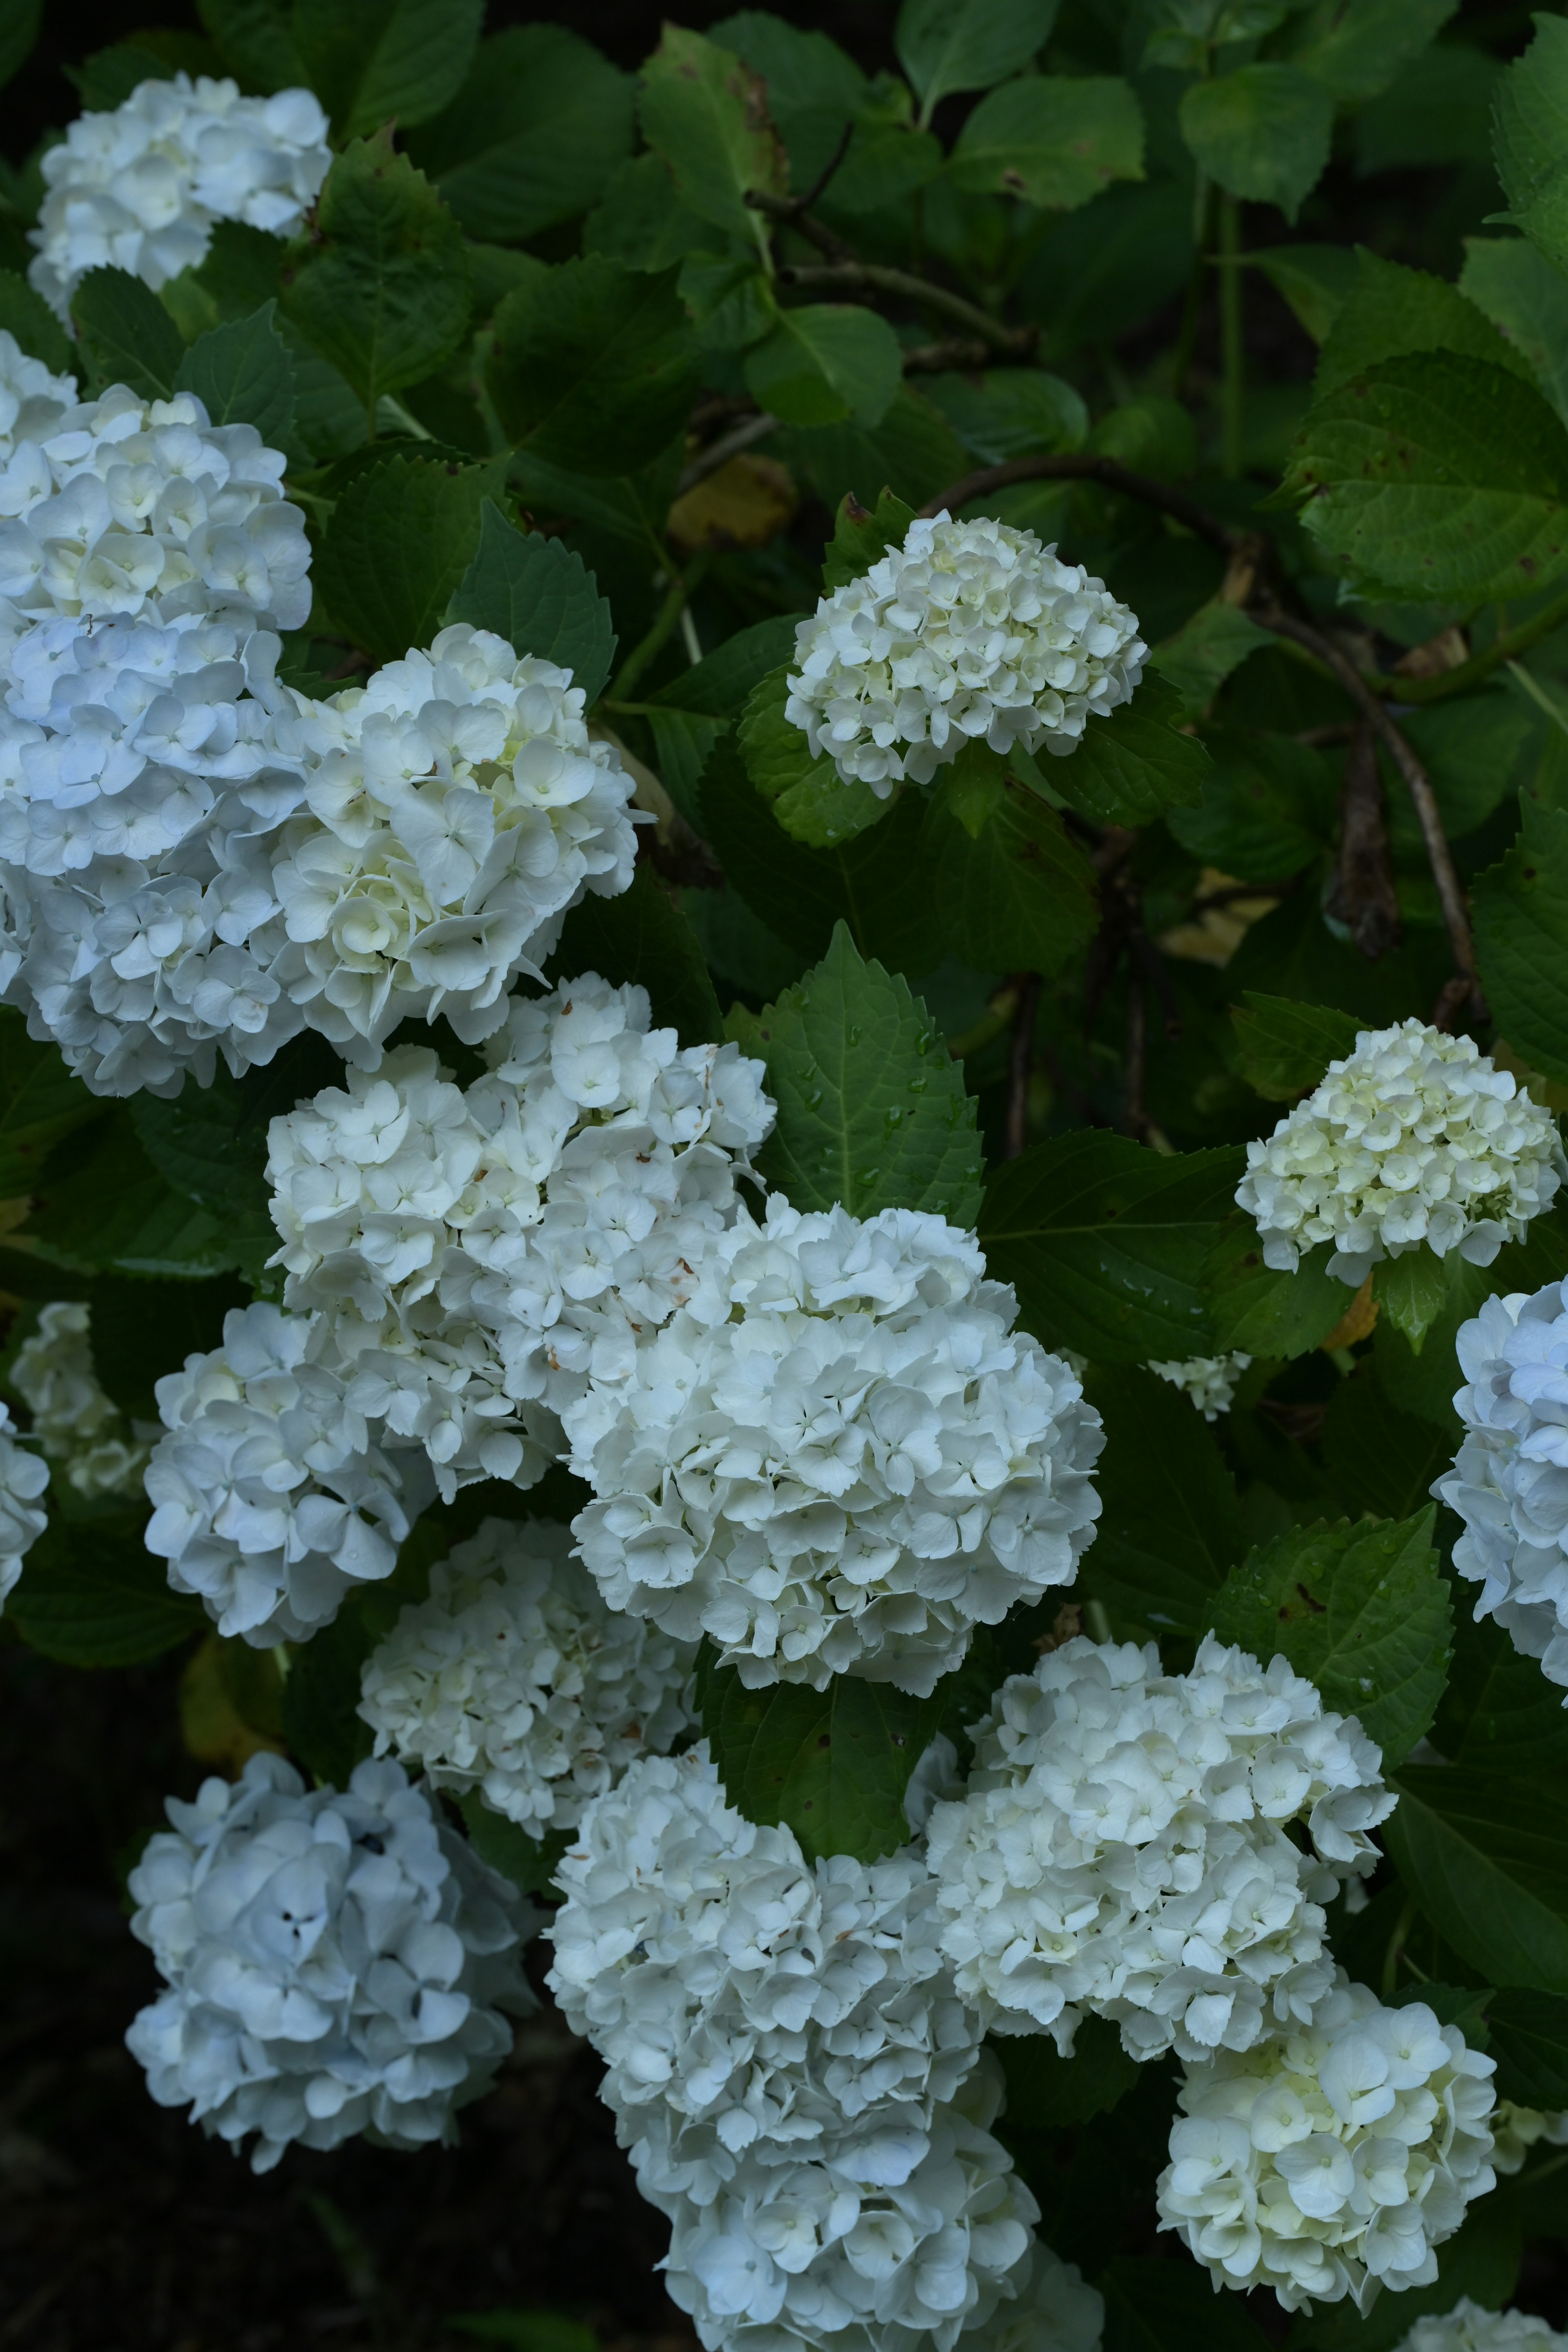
1284 1048
1135 764
706 115
92 1595
1164 2307
952 45
642 936
1491 1873
533 137
809 798
26 315
242 374
1521 939
378 61
1261 131
1267 1314
537 594
127 336
1012 887
593 364
40 1104
1389 310
1054 143
1529 2038
1529 124
401 542
862 536
1170 1528
826 361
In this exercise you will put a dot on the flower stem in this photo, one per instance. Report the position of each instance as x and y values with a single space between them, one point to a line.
681 587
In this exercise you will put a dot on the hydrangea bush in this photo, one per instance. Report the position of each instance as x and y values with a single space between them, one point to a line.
909 1398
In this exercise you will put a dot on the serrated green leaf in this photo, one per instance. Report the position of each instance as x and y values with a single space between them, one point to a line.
914 452
1500 1714
194 1143
1133 766
1261 131
401 541
40 1103
1011 413
94 1596
950 45
706 114
1530 137
378 61
127 336
825 361
1423 1383
382 290
642 936
871 1111
1489 1872
593 365
1413 1291
808 796
1056 140
1390 309
862 536
1520 916
629 509
1526 298
102 1207
1355 51
1529 2038
1315 279
26 315
1106 1243
1439 476
1286 1048
831 1765
1171 1527
1019 894
642 223
1269 807
539 595
1268 1314
534 135
256 40
1201 655
242 374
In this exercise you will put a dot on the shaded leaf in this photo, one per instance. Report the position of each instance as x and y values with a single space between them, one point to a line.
242 374
95 1596
1170 1528
1521 915
538 594
375 62
1286 1048
1017 895
400 543
1135 765
1262 132
533 137
593 365
127 336
642 936
1056 140
1489 1872
808 796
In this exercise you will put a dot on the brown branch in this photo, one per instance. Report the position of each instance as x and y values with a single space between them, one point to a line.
789 214
938 358
1085 465
1021 1061
818 187
1361 894
849 276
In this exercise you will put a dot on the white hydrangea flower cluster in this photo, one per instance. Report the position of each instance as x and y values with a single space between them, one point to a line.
268 1498
515 1679
801 2091
970 631
1121 1848
840 1457
336 1961
75 1420
1332 2161
139 186
1209 1380
1508 1483
456 808
22 1478
1471 2327
1415 1138
1516 2130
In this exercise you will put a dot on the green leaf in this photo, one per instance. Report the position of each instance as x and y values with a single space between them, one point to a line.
1356 51
322 1721
1267 1315
1481 2261
862 536
1011 413
144 1329
1378 1458
1526 298
242 374
40 1103
1412 1291
1164 2307
18 31
950 45
1521 915
1048 2092
642 936
534 136
401 541
738 947
1529 2038
529 1862
127 336
1261 131
1315 279
381 290
1286 1048
27 317
1390 309
1439 476
1210 644
1530 137
1489 1871
826 361
914 452
538 594
1105 1243
1472 747
1055 141
1018 894
194 1141
1361 1611
1500 1714
871 1110
1437 111
255 38
808 796
642 222
594 365
1269 806
1171 1527
627 507
372 62
706 114
831 1765
104 1208
94 1595
1133 766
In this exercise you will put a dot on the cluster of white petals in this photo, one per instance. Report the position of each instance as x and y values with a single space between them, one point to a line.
75 1420
1209 1380
1332 2160
514 1678
454 809
1122 1848
1510 1479
1415 1138
22 1478
268 1498
800 2089
840 1457
1516 2130
1471 2327
971 631
336 1962
138 187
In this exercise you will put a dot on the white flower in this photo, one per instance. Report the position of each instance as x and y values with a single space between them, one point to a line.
336 1962
839 1457
1209 1380
457 809
139 187
75 1420
1331 2161
1122 1848
22 1478
971 630
1516 2130
1414 1138
515 1679
269 1499
1508 1483
1469 2327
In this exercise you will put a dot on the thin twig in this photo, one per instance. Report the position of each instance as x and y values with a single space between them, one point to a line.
789 214
1085 465
818 187
852 276
1021 1061
733 444
938 358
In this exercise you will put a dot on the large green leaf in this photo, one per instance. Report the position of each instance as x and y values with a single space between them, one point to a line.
195 1142
1378 1458
382 290
1210 644
372 62
40 1103
533 137
242 374
1530 137
914 452
1015 891
127 336
92 1595
1360 1610
808 796
1170 1526
1284 1048
1440 476
1269 806
1135 765
641 936
1500 1714
538 594
1264 1313
1055 140
401 541
871 1111
831 1765
1356 50
103 1208
1526 298
706 114
593 365
1487 1860
1521 914
26 315
952 45
1529 2038
256 40
1261 131
826 361
1105 1243
1390 309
